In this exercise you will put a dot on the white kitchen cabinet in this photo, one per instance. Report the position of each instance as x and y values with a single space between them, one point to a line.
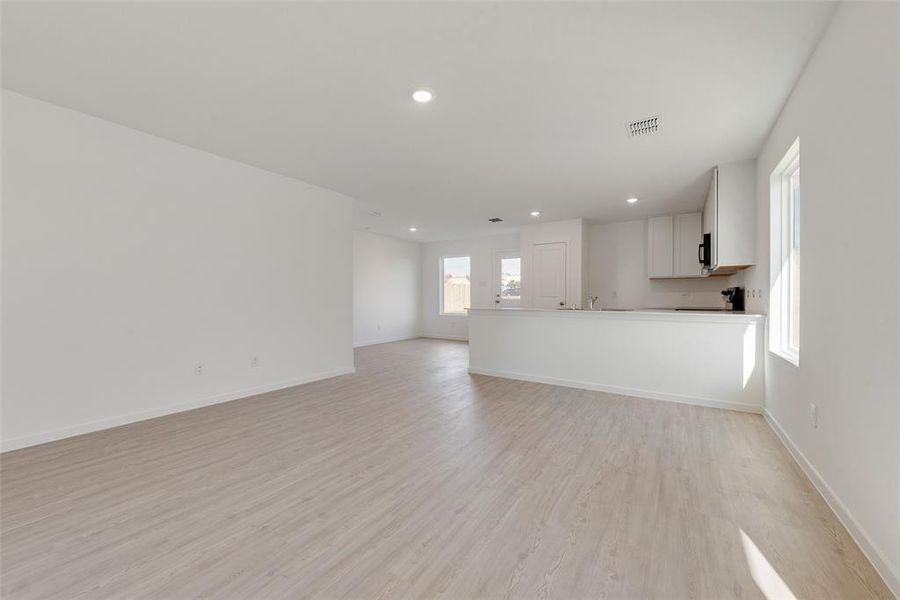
661 247
688 236
672 244
710 217
729 216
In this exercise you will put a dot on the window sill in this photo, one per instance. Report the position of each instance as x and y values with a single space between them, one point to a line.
462 314
791 358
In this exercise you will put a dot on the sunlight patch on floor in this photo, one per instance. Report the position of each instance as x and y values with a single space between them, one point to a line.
764 574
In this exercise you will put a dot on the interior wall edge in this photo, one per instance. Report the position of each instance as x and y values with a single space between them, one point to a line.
385 340
8 445
837 506
622 391
452 338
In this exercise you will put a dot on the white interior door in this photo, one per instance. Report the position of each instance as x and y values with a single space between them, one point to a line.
549 273
507 278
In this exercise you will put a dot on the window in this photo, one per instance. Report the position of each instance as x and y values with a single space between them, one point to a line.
456 285
784 240
507 278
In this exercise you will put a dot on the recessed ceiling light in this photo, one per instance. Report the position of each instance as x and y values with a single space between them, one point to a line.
413 229
535 213
631 200
423 95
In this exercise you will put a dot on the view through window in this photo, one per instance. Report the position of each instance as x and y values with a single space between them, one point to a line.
456 285
511 278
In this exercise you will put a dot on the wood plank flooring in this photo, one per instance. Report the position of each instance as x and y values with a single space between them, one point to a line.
413 479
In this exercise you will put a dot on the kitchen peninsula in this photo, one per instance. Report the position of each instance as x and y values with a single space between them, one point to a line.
704 358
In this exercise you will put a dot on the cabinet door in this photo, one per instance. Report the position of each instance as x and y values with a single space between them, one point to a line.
735 240
711 218
660 247
688 236
549 275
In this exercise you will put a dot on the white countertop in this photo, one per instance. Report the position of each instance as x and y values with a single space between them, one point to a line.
658 314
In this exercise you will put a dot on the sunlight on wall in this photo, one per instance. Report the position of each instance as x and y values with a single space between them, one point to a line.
766 577
749 352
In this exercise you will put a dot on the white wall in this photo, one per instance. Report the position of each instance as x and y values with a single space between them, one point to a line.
128 258
386 288
481 250
617 266
845 111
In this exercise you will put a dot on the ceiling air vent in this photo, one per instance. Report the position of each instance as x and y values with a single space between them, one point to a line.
644 126
495 219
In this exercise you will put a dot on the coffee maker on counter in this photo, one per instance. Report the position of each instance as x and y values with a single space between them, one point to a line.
734 298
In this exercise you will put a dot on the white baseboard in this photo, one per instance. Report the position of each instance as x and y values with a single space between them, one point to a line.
82 428
862 539
455 338
385 340
622 391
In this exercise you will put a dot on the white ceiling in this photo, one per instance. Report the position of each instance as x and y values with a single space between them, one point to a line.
532 99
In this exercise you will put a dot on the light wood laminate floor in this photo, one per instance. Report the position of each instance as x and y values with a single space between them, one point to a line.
414 479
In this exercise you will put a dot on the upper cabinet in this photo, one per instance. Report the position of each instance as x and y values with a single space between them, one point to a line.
688 236
660 250
673 244
729 216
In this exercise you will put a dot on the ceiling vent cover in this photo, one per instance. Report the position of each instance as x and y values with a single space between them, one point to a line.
495 219
644 126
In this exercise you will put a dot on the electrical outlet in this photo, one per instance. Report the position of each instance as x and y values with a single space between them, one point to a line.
198 369
814 415
254 361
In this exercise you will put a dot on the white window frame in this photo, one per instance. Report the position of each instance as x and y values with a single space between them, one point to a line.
441 285
780 238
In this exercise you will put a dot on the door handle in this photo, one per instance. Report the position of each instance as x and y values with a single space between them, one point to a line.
562 303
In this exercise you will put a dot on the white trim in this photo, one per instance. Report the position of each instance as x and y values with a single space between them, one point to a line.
91 426
890 576
385 340
452 338
786 356
780 236
622 391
